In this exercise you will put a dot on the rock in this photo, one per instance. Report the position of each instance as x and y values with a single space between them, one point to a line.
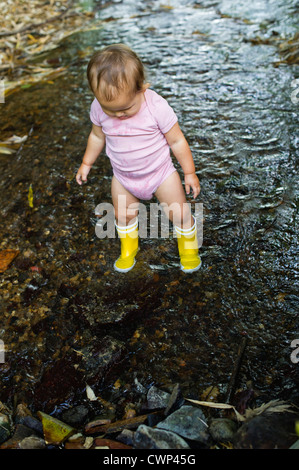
21 412
5 429
75 416
189 422
21 432
100 357
222 429
55 431
176 400
126 437
32 442
23 416
33 424
153 438
157 398
80 442
6 425
59 383
273 431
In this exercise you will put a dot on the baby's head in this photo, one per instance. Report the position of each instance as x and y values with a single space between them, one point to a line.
114 70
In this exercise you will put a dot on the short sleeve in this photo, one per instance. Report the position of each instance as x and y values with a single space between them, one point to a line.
162 111
95 113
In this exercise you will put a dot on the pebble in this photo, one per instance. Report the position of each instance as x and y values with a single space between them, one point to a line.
222 429
151 438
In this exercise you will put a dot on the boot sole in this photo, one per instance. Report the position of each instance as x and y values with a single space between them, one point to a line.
124 270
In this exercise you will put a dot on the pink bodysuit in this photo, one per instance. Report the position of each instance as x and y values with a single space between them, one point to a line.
137 148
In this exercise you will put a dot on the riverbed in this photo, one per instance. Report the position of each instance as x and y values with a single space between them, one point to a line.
67 318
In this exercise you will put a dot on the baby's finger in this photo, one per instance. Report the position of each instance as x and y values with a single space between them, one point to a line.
196 191
187 188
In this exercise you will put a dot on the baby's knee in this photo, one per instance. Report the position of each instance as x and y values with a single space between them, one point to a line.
125 216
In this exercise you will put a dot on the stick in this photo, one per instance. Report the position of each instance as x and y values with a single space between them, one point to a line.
236 369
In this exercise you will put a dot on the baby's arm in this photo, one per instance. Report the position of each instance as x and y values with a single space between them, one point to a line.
182 152
95 145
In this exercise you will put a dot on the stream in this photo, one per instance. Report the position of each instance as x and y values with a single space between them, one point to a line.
67 318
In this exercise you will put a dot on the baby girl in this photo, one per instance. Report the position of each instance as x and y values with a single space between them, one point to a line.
138 128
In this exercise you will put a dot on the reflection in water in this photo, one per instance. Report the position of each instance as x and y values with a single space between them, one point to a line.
61 297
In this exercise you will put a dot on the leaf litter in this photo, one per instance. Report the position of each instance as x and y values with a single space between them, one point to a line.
29 29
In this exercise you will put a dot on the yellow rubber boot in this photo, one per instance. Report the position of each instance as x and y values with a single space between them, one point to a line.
129 246
188 248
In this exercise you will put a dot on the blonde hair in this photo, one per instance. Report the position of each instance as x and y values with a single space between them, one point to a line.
113 69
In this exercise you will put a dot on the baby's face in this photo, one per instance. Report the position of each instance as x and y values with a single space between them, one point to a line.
124 106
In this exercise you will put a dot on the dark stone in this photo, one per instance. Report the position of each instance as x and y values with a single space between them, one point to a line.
157 398
222 429
60 383
273 431
75 416
21 432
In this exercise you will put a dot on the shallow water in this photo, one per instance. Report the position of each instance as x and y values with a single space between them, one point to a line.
67 318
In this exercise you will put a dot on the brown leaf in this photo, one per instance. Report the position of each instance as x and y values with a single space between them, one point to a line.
6 257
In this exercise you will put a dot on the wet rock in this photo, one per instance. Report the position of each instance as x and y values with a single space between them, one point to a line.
75 416
32 442
20 433
176 400
157 398
126 437
99 358
153 438
6 424
60 382
79 442
23 416
55 431
189 422
273 431
222 429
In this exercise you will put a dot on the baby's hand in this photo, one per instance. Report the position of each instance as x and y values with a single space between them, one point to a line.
192 181
82 173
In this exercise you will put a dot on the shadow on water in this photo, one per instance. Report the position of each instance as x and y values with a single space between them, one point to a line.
67 318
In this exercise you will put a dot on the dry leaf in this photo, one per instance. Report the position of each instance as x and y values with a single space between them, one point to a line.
6 257
90 393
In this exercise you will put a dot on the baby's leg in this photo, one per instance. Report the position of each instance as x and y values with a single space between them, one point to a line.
125 204
172 196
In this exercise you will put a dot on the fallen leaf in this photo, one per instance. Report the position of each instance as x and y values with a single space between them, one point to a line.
6 257
90 393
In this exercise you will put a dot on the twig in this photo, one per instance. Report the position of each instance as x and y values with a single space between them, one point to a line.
37 25
236 369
